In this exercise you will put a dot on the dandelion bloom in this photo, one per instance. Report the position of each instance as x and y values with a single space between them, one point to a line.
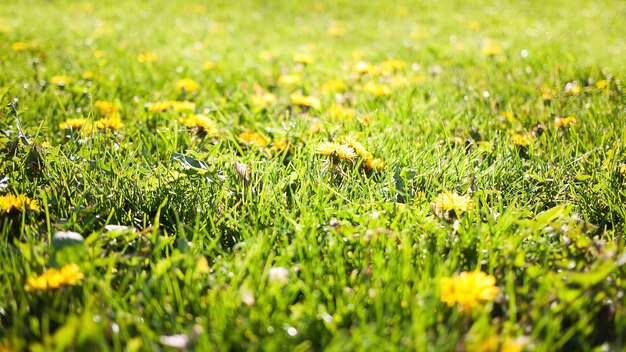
303 58
377 89
146 57
565 121
73 124
337 150
358 147
572 88
601 84
447 202
374 164
333 85
68 275
520 140
546 93
60 80
263 100
87 75
392 65
304 100
338 112
289 80
11 203
468 289
187 85
209 65
253 138
204 123
110 123
20 46
106 108
491 49
279 145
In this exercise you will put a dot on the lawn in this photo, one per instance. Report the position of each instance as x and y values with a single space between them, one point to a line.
305 176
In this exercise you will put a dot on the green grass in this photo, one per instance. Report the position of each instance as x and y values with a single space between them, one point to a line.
364 251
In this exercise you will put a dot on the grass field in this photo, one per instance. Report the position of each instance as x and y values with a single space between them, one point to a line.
304 176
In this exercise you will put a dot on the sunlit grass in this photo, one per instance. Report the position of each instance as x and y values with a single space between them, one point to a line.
312 176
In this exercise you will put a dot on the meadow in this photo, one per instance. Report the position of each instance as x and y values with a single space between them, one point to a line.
312 175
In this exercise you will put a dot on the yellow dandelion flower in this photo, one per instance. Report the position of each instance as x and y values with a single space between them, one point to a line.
209 65
98 54
363 67
253 138
449 202
181 106
520 140
399 81
491 48
304 100
565 121
73 124
263 100
337 150
573 88
60 80
87 75
187 85
507 115
11 203
109 123
303 58
289 80
601 84
106 108
280 145
546 93
20 46
392 65
333 86
374 164
338 112
160 106
204 123
622 170
358 147
377 89
147 57
468 289
68 275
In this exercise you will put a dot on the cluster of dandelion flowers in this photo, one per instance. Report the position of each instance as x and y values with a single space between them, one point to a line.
449 204
468 289
337 151
68 275
11 204
369 162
